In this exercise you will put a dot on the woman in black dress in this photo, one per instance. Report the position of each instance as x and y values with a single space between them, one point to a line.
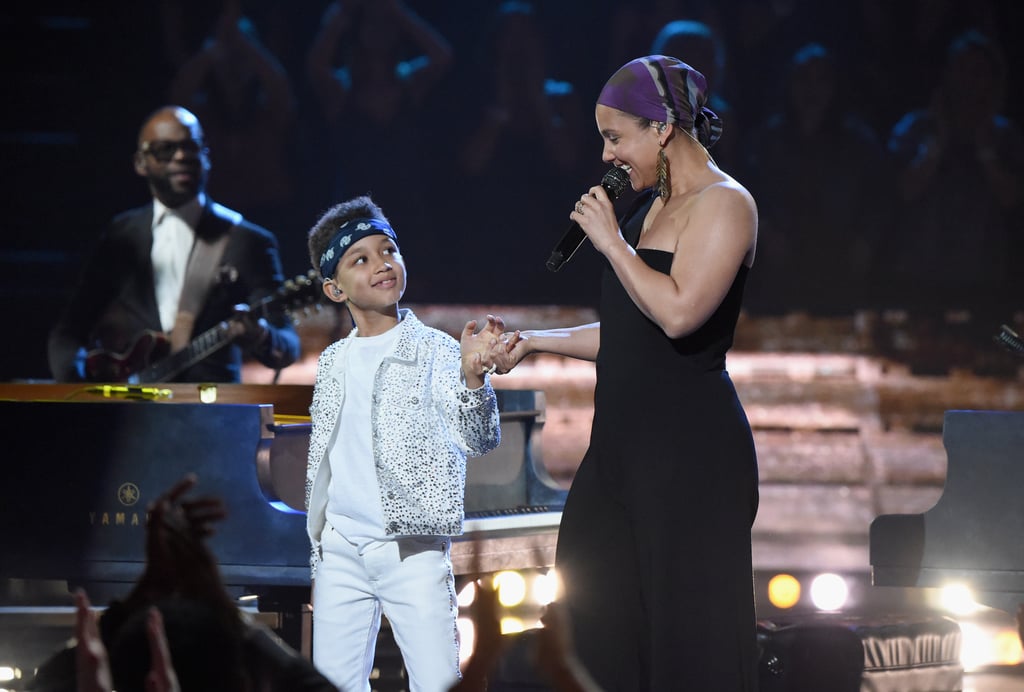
654 549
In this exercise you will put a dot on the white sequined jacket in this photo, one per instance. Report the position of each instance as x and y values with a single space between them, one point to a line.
426 422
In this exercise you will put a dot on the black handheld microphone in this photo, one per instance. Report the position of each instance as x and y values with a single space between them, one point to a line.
613 182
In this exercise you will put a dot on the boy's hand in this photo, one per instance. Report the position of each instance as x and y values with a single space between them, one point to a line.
512 348
480 350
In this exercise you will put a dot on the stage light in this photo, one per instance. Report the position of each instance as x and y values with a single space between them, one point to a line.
467 595
9 674
1006 647
511 588
829 591
975 646
467 638
511 624
958 599
783 591
545 587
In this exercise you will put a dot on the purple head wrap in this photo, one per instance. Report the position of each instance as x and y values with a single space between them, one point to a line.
665 90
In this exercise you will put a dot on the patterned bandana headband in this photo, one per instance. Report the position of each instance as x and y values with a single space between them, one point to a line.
351 232
665 90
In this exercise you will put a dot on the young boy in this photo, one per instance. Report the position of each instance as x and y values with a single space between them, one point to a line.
397 407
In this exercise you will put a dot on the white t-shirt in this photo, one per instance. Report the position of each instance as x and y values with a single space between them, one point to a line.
353 497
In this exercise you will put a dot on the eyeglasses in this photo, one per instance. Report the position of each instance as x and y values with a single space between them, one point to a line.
164 150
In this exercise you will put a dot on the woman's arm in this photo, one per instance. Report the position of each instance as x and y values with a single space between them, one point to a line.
574 342
710 236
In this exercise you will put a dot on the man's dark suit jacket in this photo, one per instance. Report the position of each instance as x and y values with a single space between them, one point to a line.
114 301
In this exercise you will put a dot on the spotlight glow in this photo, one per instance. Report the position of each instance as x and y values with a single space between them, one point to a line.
467 638
975 646
829 591
511 588
783 591
1006 646
545 588
511 624
467 595
958 599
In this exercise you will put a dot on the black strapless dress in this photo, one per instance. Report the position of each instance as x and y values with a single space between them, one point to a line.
654 547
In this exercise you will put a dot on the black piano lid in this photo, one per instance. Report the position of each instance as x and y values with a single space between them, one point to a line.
74 502
78 494
974 534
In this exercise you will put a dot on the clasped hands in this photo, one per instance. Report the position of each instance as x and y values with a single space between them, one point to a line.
491 350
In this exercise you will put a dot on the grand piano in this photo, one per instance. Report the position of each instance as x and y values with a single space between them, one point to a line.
74 497
974 534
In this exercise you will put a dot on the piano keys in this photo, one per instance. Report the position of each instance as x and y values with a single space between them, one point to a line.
974 534
513 505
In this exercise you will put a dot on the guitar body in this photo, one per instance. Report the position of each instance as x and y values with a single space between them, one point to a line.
149 359
105 366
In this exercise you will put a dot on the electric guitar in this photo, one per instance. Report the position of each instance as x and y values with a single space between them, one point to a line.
149 358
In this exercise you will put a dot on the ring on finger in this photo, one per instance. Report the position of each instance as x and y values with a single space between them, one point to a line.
490 370
579 207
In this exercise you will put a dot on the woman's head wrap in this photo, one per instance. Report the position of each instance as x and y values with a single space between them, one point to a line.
665 90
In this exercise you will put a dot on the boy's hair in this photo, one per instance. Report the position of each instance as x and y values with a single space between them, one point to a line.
324 229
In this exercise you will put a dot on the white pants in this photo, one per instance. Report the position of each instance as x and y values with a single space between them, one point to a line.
411 580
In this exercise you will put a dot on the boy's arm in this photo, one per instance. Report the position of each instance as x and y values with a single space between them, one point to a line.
471 413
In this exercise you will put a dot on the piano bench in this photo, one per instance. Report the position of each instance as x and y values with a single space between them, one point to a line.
843 652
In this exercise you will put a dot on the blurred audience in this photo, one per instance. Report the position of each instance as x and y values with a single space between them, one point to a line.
372 67
523 660
633 26
336 98
960 167
892 50
178 628
243 96
706 51
520 159
823 189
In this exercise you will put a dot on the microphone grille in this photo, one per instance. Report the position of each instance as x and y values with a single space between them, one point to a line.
614 182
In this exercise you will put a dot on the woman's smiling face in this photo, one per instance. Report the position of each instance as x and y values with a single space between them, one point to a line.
630 143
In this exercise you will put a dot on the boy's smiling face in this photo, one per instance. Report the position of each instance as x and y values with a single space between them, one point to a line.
370 275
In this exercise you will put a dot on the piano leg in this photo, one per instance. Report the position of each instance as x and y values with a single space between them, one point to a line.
294 616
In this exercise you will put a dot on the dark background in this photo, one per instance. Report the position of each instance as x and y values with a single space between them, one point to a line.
79 78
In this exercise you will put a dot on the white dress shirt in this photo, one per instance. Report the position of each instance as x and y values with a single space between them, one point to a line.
173 236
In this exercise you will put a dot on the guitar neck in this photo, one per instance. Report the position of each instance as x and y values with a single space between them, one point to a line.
301 290
207 343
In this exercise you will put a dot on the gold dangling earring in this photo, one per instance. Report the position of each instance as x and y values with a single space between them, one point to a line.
664 184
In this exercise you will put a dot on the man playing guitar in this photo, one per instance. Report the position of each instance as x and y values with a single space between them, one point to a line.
170 271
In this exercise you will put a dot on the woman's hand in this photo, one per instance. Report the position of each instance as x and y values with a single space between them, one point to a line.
512 348
595 214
